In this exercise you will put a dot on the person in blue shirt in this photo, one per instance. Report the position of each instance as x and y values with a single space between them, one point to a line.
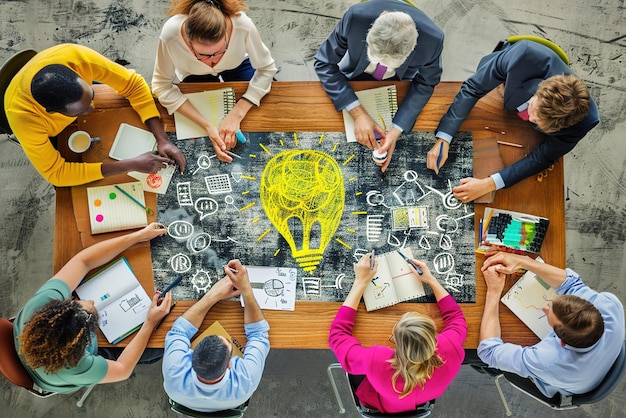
207 378
588 329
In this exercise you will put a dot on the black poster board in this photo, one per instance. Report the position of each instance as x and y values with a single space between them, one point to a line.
217 211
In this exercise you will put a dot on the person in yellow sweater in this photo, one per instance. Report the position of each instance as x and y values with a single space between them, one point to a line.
54 88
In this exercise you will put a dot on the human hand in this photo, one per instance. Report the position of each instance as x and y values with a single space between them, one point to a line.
363 273
426 276
148 162
153 230
388 144
472 188
494 279
239 275
159 308
433 155
172 152
219 146
224 289
228 129
504 262
364 128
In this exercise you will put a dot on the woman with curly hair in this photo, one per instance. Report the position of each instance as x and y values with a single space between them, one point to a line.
423 363
211 41
55 336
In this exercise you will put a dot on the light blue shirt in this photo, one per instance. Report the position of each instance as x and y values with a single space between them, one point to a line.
239 383
555 368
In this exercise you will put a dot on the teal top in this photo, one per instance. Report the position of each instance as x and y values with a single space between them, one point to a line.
90 369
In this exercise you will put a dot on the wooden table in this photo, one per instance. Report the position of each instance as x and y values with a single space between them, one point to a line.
304 106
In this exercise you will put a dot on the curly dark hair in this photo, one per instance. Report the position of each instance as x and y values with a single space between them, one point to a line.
55 86
57 335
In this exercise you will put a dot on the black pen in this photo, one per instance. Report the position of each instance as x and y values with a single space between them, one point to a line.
408 260
171 286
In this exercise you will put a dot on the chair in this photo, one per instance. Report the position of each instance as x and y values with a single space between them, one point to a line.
7 72
12 369
421 411
512 39
560 401
227 413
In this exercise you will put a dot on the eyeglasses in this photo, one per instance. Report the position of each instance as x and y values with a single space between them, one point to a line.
202 57
391 338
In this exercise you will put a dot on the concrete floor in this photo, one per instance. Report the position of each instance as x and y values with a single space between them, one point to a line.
295 382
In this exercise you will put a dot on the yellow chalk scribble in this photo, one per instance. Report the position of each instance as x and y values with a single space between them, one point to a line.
295 139
348 160
321 139
248 206
255 220
343 243
276 252
302 193
243 176
265 149
267 231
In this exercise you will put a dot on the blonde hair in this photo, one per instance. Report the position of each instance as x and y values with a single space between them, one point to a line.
206 19
415 358
562 101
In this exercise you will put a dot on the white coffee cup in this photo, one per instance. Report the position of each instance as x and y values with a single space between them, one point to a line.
80 141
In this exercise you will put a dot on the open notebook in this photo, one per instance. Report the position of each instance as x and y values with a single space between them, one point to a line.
381 103
212 104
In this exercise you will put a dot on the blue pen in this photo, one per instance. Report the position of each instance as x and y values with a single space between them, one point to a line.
171 285
419 270
440 154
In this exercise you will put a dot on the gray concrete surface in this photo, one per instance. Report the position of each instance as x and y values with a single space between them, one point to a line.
593 33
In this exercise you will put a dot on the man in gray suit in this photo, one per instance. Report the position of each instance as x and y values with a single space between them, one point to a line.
541 88
381 40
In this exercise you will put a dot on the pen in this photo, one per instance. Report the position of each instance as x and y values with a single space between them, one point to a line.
372 260
171 285
419 270
128 195
510 144
232 154
440 154
480 231
495 130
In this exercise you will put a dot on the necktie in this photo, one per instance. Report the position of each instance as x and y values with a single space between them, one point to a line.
379 72
523 114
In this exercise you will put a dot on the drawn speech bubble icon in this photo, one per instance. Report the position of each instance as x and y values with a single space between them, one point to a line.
206 206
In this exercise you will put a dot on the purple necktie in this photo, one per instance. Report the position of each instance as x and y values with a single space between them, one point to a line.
379 72
523 114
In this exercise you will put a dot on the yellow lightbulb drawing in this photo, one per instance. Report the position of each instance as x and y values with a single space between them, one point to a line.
302 194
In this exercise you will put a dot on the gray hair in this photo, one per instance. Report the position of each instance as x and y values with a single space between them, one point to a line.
393 36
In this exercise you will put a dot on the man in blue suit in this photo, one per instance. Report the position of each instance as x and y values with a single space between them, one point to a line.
543 90
381 40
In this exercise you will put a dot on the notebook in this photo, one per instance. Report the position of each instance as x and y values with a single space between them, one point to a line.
212 104
273 287
394 282
381 103
515 232
526 298
217 329
111 210
121 301
130 142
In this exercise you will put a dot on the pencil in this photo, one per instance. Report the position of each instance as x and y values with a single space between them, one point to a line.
495 130
372 260
510 144
128 195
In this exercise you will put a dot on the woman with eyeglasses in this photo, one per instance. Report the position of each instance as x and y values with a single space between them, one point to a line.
55 336
212 40
419 365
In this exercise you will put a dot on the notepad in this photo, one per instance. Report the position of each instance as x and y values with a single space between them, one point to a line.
526 298
213 105
381 103
394 282
121 301
273 287
111 210
511 231
216 328
131 142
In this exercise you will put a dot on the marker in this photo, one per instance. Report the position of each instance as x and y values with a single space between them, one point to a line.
372 261
440 154
480 231
240 137
128 195
171 285
419 270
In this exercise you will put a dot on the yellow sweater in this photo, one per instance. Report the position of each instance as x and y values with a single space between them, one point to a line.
33 126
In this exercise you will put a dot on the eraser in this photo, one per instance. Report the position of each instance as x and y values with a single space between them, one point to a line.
240 137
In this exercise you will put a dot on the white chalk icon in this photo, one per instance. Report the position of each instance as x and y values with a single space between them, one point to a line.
424 243
454 282
183 193
374 227
230 201
199 243
443 262
358 253
311 285
408 196
180 230
218 184
203 162
180 263
236 176
375 198
337 284
201 281
206 206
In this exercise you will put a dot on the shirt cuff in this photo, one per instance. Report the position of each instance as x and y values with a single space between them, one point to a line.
446 137
352 105
497 179
398 128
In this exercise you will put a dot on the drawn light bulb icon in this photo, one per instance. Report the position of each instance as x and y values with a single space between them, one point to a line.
302 193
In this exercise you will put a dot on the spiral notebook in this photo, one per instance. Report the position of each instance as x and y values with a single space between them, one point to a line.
112 209
381 103
394 282
212 104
